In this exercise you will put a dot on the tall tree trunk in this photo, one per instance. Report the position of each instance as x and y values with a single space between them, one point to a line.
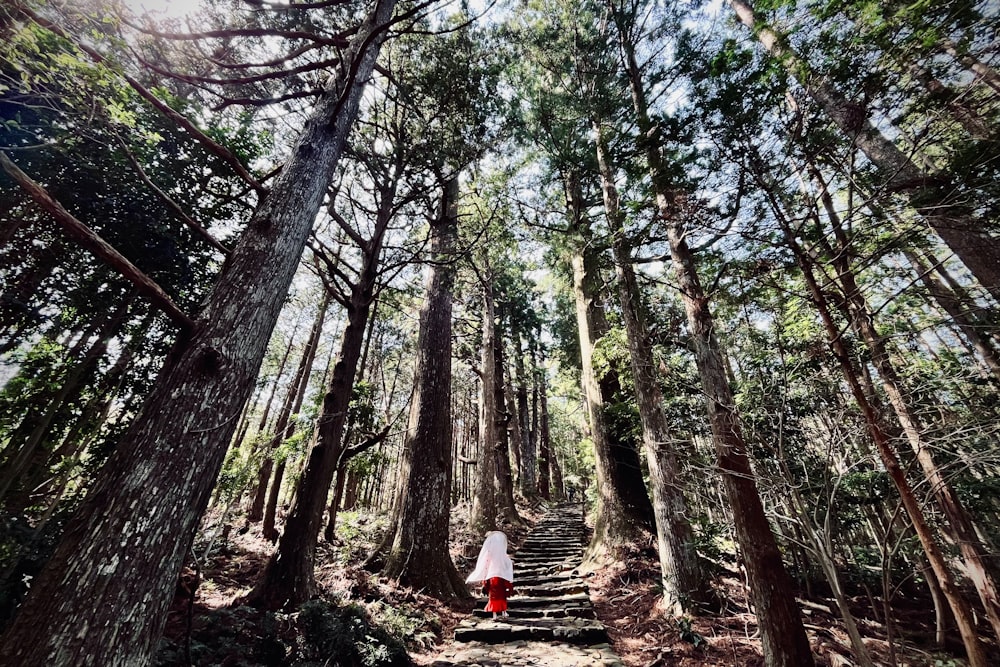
680 574
505 481
540 419
624 512
483 516
529 466
330 531
419 556
102 598
289 577
930 194
285 428
256 511
782 634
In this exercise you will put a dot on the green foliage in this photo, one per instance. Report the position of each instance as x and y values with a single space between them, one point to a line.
240 467
407 623
345 637
240 635
688 633
318 634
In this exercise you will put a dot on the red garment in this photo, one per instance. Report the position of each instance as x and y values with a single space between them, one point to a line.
498 589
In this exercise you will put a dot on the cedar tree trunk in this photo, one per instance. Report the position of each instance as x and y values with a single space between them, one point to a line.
103 597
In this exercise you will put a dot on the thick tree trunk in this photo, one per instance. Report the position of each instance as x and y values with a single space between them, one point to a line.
483 516
930 194
419 556
103 597
681 576
624 512
505 481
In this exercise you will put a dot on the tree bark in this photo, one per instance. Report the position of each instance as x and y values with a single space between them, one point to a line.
483 516
103 597
782 634
419 556
624 512
680 573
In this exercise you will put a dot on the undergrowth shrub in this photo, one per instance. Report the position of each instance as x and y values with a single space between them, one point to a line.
320 634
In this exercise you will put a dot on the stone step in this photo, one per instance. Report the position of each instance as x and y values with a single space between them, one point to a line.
582 611
542 579
548 601
569 630
563 547
568 588
533 654
542 571
556 556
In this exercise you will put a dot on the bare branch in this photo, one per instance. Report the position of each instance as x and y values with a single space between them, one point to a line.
185 218
189 127
95 244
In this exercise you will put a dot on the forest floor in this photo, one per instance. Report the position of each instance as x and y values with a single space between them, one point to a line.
625 595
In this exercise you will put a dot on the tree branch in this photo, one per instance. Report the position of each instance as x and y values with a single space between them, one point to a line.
365 445
95 244
194 226
212 146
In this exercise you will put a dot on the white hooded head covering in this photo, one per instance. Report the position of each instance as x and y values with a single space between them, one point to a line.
493 560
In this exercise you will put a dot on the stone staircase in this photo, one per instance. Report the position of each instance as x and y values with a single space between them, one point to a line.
550 620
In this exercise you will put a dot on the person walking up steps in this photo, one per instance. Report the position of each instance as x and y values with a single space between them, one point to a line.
495 570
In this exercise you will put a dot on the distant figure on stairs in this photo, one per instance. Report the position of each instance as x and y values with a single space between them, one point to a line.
495 570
